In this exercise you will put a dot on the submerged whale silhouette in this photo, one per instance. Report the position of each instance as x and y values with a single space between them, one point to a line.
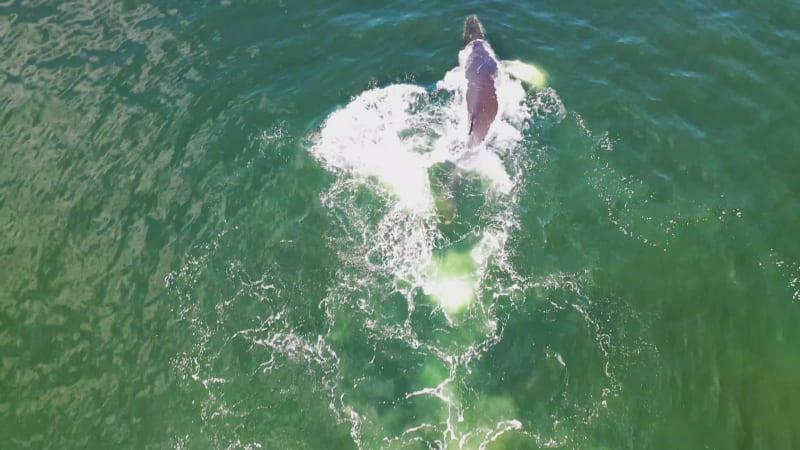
481 72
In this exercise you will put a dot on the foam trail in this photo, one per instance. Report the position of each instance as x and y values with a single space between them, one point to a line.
386 139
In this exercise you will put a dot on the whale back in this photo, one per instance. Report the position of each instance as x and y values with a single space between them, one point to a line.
481 73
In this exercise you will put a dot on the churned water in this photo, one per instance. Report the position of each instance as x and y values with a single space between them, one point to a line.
244 224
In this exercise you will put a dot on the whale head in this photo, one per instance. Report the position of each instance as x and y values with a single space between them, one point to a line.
473 29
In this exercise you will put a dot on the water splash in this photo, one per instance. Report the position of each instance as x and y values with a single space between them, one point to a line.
415 306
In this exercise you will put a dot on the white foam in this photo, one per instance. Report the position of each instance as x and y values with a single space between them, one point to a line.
453 293
364 138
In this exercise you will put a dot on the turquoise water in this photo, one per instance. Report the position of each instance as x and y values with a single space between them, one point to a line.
207 244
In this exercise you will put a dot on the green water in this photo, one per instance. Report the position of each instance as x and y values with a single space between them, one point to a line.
178 270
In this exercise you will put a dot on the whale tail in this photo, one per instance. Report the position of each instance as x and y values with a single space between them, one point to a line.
473 29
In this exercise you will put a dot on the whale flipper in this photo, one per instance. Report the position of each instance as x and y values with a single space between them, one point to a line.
526 72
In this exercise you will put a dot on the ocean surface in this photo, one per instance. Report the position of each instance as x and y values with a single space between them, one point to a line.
254 224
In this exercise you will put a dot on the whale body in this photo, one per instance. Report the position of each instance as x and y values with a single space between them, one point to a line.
481 73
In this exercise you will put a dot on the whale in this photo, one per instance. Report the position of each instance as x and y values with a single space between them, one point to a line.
484 74
481 70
